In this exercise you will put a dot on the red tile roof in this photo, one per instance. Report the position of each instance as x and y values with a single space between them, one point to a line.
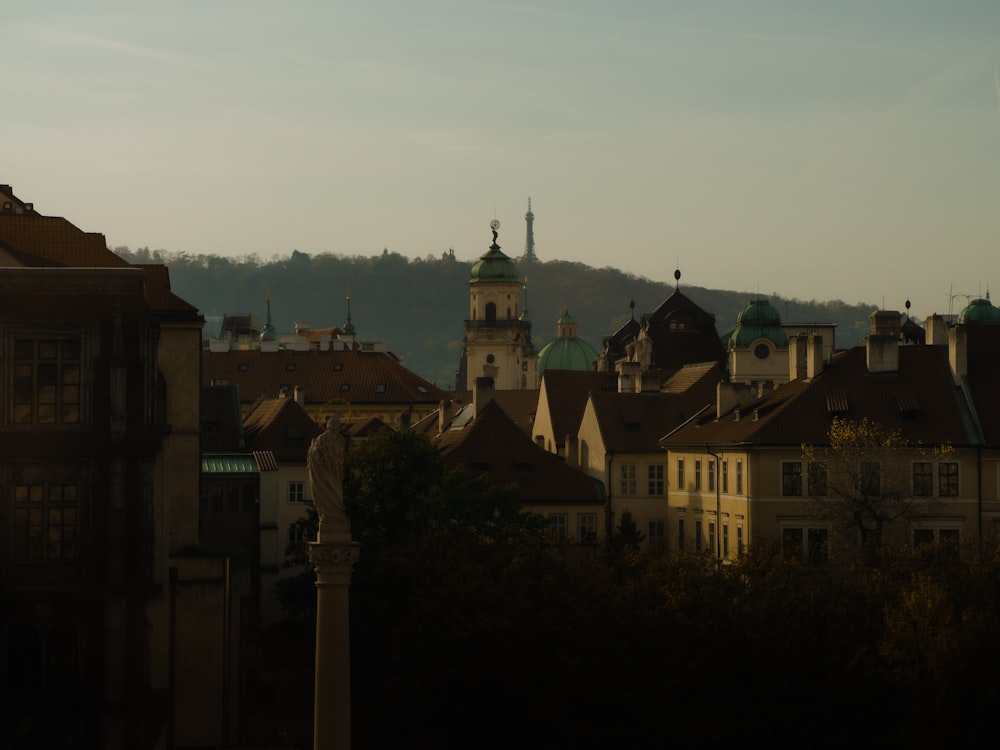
802 411
566 392
493 443
353 376
281 426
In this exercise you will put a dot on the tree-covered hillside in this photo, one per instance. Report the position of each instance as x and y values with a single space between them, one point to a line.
417 306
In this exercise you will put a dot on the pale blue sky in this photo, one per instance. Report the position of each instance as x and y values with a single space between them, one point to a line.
818 150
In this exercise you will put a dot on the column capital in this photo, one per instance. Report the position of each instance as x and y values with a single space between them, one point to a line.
334 563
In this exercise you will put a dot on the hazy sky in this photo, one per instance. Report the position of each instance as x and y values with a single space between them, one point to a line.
821 150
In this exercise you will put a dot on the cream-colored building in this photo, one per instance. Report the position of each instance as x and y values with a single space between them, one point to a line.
739 474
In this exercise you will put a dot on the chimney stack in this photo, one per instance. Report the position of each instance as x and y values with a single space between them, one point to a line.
482 395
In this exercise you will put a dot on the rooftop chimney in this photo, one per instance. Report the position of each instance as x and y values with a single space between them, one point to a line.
572 451
958 353
937 330
883 352
814 356
482 395
444 415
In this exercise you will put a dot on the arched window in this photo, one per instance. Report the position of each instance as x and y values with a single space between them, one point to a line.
491 312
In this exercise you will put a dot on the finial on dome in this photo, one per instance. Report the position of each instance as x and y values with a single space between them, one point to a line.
494 225
677 278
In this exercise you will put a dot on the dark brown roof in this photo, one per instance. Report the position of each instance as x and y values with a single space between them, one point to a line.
682 334
281 426
494 444
52 241
635 422
919 399
352 376
700 382
158 293
566 392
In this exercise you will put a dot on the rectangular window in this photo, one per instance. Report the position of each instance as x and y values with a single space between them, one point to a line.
932 535
725 540
680 473
697 475
656 479
923 479
725 475
559 525
46 382
711 537
791 478
697 536
586 527
46 518
817 479
657 534
948 479
806 544
711 476
739 540
739 476
628 484
296 492
869 479
680 533
296 533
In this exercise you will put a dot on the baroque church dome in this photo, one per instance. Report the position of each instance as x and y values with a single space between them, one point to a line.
980 312
758 320
566 351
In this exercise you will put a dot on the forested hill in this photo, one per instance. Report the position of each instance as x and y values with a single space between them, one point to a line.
417 306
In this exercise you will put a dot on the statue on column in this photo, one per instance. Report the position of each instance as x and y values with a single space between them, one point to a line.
326 476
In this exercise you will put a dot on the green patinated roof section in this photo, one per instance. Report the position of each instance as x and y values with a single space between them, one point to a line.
566 354
494 266
228 465
980 312
758 320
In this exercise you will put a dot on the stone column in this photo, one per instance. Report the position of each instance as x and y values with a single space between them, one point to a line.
334 563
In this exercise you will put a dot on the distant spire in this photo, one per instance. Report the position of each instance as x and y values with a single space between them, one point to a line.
529 244
268 333
349 328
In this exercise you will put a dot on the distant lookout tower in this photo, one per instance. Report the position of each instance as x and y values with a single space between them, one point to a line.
529 243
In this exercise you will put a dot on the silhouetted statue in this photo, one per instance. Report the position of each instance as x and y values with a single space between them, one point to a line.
326 475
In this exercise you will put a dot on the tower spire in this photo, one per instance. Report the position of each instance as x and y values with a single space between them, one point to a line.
529 244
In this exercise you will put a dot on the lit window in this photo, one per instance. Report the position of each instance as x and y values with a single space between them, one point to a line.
46 382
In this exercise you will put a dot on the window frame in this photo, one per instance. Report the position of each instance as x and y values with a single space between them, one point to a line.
656 485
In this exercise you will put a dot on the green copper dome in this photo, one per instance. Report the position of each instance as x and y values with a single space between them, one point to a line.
980 312
566 351
758 320
494 266
566 354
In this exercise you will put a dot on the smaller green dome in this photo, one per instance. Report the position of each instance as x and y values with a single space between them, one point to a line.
980 312
758 320
566 354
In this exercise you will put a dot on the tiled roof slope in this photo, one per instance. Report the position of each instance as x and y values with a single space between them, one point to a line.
221 425
492 441
983 379
281 426
635 422
920 400
353 376
52 241
158 292
567 392
698 381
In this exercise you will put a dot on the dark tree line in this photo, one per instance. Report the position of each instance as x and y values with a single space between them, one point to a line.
417 306
471 627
